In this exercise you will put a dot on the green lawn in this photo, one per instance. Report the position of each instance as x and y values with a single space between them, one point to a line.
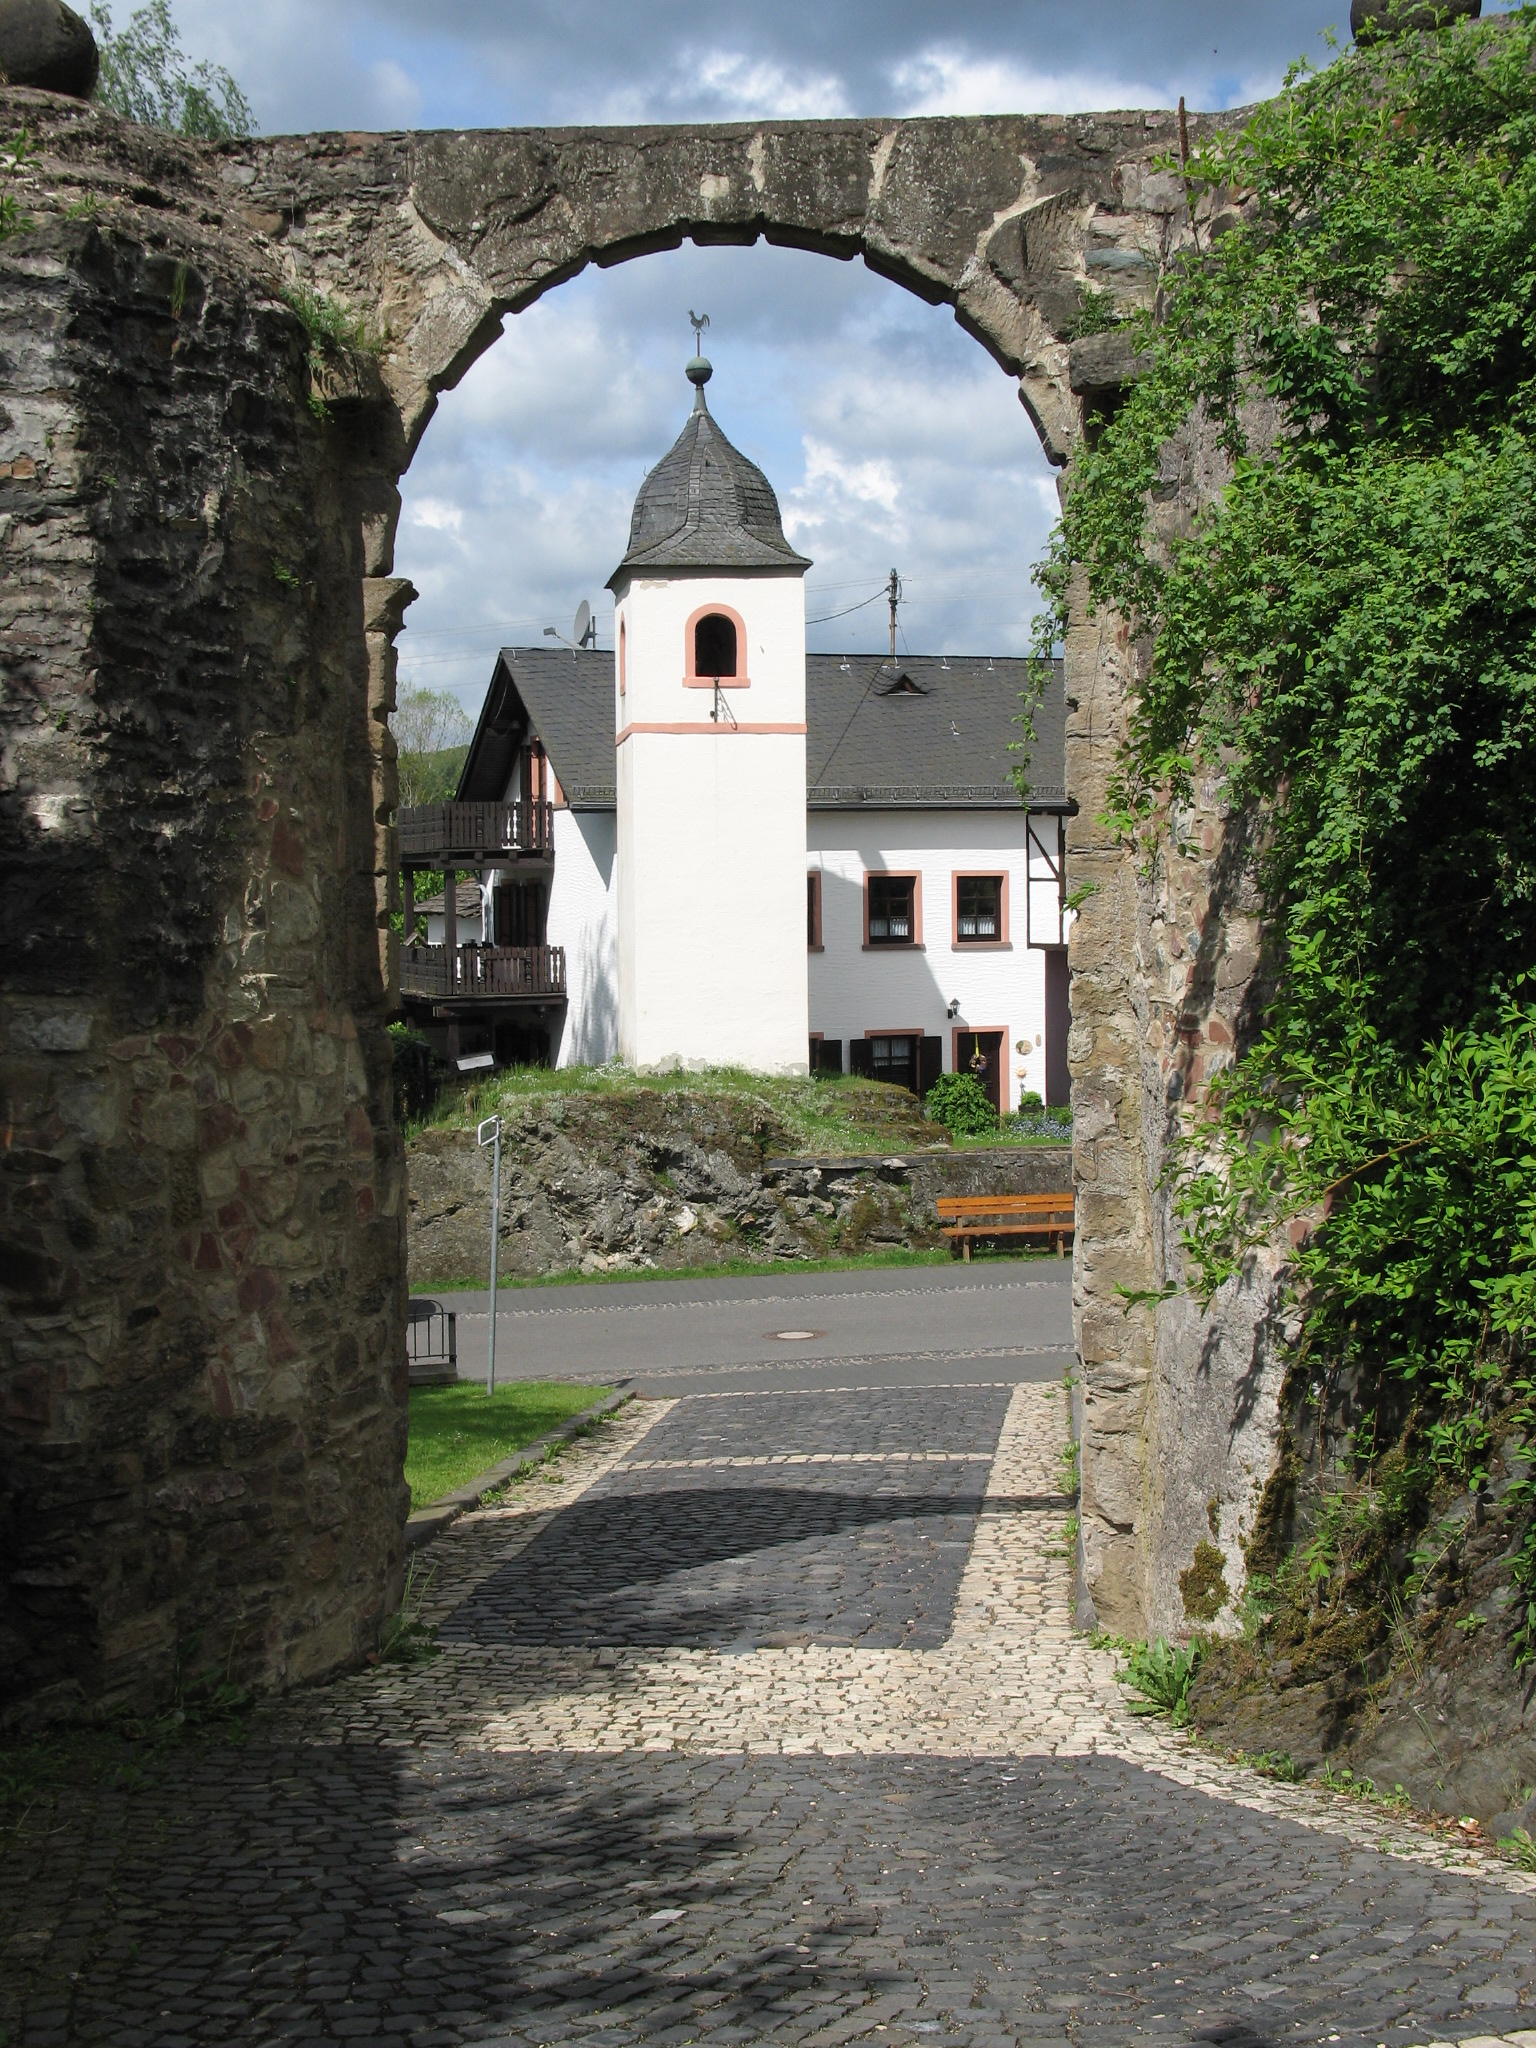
459 1432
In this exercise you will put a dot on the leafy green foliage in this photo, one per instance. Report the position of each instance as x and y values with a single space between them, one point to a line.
1160 1674
145 76
432 733
961 1105
1348 636
1097 313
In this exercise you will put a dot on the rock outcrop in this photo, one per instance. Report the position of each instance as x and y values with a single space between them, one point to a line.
678 1180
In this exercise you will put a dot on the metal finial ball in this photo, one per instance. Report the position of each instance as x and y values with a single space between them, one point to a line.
699 370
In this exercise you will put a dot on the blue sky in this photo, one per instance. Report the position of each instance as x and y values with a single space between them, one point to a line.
891 438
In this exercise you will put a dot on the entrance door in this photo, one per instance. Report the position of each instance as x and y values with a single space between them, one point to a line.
980 1054
1058 1022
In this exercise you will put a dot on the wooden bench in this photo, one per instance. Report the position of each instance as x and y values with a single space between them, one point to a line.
968 1217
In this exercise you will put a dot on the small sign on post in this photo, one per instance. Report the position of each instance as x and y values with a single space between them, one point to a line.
492 1124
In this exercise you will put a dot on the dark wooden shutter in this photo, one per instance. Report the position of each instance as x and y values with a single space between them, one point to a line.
1058 1022
930 1064
860 1057
831 1061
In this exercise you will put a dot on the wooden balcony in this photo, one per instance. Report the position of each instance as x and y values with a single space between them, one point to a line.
476 835
483 974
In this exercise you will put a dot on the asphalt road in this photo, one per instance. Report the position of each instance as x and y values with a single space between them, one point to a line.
896 1326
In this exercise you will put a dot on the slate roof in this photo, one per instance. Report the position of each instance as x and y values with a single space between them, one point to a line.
705 506
934 732
567 696
942 741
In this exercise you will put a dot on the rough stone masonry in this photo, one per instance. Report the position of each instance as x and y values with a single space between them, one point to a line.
202 1379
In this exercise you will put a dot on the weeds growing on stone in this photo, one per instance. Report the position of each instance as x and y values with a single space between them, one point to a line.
1520 1848
1354 1785
405 1638
1278 1764
13 163
331 328
1160 1674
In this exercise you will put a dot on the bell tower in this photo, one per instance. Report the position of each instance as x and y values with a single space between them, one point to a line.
709 727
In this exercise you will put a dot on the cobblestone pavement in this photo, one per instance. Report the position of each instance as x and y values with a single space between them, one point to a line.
759 1718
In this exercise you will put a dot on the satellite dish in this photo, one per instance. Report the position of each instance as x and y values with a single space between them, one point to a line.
583 625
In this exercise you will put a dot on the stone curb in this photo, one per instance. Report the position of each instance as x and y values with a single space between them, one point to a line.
425 1523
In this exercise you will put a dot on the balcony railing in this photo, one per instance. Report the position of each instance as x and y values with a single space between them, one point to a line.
483 973
432 835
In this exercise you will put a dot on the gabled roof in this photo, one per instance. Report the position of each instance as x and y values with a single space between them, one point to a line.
705 506
935 733
566 696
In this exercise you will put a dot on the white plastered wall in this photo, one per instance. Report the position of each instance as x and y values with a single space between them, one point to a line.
854 990
711 830
583 919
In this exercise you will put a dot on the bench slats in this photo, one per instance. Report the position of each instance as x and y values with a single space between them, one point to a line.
973 1216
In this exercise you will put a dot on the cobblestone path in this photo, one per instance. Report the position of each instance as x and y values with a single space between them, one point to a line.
759 1719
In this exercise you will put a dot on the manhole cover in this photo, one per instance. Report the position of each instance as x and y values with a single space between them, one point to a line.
796 1336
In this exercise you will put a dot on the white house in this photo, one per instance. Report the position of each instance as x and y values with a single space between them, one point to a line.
645 820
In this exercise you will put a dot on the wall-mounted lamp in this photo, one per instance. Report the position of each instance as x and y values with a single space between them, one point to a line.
954 1008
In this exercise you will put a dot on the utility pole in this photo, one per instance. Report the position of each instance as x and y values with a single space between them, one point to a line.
894 592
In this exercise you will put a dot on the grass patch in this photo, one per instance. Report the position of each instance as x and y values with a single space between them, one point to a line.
827 1115
731 1269
459 1432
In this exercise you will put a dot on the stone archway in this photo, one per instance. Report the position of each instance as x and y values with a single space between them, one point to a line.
202 1379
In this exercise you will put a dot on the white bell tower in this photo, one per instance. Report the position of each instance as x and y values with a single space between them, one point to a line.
709 725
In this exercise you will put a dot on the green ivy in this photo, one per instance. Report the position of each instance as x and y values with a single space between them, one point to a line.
1347 635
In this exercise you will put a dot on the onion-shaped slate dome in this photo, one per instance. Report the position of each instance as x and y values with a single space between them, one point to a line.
704 506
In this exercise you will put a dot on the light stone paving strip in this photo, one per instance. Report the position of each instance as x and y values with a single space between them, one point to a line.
1014 1679
775 1458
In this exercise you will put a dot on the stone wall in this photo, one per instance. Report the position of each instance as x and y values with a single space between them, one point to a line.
201 1215
201 1362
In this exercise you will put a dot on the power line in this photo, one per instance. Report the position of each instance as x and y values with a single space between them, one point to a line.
827 617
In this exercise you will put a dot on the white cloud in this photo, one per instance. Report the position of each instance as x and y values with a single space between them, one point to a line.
438 515
828 470
948 79
754 88
723 85
394 93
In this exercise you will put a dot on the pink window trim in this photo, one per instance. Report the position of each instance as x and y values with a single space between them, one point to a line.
694 681
623 651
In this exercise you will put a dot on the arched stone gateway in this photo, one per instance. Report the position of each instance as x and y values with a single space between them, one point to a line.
202 1384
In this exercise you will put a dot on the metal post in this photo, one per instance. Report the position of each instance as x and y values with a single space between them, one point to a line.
493 1125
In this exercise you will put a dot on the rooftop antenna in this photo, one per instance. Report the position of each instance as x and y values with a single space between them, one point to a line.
893 591
584 632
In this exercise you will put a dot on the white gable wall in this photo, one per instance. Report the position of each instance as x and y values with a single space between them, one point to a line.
583 918
855 990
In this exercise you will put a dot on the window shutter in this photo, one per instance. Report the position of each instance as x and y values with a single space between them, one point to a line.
930 1064
860 1057
831 1055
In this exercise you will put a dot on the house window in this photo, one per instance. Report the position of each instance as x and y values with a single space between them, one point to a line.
894 1059
979 910
813 912
623 651
892 910
714 646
